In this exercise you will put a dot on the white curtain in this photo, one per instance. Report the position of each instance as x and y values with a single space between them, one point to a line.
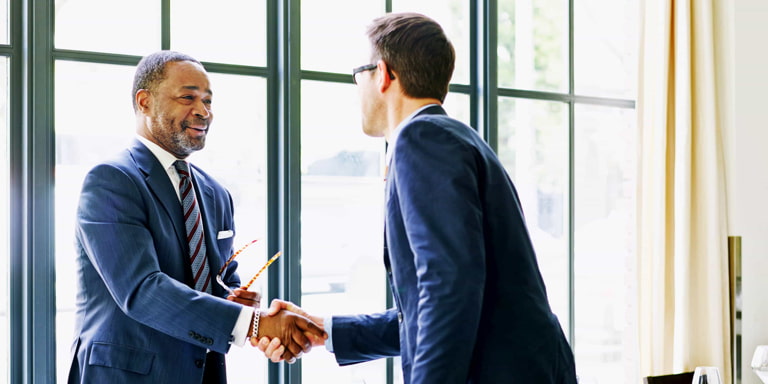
682 223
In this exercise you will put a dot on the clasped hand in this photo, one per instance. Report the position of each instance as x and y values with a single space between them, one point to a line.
285 330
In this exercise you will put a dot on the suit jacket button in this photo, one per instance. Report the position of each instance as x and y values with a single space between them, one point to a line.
400 317
199 363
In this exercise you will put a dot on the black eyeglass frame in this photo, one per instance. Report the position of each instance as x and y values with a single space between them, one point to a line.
362 68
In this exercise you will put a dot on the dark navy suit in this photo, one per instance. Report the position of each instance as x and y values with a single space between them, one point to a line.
471 303
138 319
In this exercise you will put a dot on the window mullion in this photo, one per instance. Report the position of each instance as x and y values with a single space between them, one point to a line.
38 289
571 182
484 76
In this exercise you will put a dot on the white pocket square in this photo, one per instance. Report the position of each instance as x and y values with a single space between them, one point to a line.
225 234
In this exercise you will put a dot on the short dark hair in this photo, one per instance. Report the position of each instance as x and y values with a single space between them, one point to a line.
151 70
414 46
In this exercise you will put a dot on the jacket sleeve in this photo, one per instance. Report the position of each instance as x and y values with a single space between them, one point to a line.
361 338
113 229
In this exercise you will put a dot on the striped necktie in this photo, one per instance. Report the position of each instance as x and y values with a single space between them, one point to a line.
194 224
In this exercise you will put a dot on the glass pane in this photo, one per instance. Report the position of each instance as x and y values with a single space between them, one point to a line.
236 143
453 16
5 246
333 35
129 27
342 221
457 106
605 167
4 24
82 140
235 154
533 146
533 45
234 31
605 47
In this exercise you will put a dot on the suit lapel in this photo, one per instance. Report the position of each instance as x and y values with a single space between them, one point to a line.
158 182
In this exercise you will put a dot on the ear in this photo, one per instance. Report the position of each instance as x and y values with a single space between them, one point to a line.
143 98
383 76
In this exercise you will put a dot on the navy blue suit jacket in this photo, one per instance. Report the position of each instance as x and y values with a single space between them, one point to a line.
471 303
139 318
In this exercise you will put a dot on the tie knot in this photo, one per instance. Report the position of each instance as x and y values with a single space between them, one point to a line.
181 167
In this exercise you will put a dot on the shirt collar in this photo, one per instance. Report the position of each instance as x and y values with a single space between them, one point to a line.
396 133
165 158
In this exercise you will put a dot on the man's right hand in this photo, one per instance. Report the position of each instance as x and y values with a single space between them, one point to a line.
297 333
273 348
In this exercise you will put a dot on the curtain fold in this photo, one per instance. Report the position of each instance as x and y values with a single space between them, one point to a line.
683 296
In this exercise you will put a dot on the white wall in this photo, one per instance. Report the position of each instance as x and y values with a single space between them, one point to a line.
747 169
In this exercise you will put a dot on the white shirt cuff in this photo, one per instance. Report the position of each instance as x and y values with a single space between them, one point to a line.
328 327
240 332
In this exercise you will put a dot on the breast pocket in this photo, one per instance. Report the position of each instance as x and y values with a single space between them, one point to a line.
224 251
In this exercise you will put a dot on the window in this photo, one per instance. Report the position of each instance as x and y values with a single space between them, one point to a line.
331 40
533 146
533 45
604 228
606 48
567 137
82 142
342 221
342 187
234 33
234 154
554 97
4 24
555 122
236 149
101 26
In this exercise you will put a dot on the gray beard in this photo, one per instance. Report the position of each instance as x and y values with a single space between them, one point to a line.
177 142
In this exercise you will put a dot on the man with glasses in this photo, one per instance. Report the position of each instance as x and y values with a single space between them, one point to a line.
152 230
471 306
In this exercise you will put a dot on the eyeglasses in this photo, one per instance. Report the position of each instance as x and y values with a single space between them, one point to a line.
362 68
246 286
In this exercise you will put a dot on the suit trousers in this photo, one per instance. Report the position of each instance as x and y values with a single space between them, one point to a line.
215 371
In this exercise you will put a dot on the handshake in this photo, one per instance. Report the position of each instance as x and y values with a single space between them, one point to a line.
285 331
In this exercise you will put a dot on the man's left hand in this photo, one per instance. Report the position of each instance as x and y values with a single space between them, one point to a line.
245 297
